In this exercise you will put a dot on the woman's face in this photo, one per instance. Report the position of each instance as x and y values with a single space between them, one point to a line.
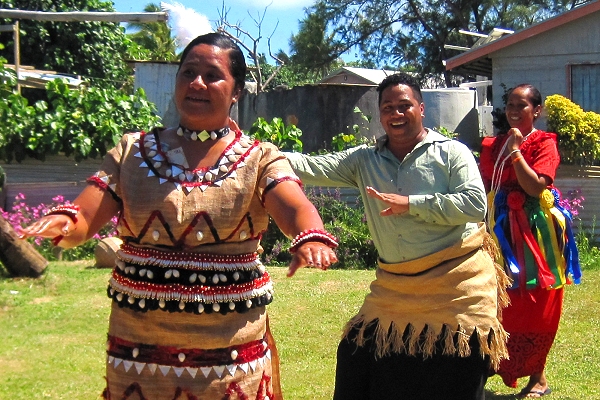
520 112
205 88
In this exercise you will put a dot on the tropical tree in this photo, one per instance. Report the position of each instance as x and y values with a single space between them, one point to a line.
410 34
154 38
95 50
314 51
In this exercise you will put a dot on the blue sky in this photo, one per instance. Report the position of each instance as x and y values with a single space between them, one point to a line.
287 12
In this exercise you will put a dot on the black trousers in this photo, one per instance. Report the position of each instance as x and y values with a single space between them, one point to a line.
359 375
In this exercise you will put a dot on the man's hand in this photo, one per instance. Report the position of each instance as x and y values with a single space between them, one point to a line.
397 204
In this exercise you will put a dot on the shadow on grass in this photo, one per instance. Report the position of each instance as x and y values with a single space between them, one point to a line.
492 396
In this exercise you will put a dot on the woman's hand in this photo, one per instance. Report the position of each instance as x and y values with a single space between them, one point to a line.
515 139
49 226
312 254
398 204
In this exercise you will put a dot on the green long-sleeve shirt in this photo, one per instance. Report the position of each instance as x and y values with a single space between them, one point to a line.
440 177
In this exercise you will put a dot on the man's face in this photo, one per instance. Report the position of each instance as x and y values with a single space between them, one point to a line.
400 113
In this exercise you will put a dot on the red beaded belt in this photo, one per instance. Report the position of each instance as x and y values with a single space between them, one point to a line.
165 358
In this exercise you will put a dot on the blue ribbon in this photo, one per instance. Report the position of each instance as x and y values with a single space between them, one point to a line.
499 226
573 268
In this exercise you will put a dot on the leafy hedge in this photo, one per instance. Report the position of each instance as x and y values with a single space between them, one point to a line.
578 131
81 123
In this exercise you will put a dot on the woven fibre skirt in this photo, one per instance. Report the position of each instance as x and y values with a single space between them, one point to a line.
160 355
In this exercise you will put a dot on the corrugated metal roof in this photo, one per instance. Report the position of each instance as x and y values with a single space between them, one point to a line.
370 76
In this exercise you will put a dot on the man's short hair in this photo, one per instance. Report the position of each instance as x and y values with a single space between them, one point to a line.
401 78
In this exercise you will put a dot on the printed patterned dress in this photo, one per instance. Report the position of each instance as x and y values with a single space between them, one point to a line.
537 249
188 291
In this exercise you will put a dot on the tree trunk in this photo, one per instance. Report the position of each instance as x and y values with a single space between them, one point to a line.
19 257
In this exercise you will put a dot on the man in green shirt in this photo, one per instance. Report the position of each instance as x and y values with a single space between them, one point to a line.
429 327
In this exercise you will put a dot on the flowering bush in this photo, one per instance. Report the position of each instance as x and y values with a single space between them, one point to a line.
572 202
22 215
578 131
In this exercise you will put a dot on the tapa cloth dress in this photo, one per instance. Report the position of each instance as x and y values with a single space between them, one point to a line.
188 290
538 250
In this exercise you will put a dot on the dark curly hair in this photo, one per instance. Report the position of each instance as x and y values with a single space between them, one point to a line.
401 78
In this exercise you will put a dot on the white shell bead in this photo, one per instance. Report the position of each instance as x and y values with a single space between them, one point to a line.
181 177
243 235
216 307
215 279
168 172
223 168
179 132
199 235
181 305
234 354
213 135
202 278
135 352
236 276
157 164
175 273
142 303
232 306
168 274
119 296
130 300
193 277
161 303
222 278
208 176
143 271
150 274
151 153
181 357
248 303
121 265
200 308
155 235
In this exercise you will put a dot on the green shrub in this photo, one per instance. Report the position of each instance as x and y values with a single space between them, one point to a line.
578 131
82 123
276 132
346 221
343 141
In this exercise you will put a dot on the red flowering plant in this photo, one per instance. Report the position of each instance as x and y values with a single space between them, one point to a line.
21 215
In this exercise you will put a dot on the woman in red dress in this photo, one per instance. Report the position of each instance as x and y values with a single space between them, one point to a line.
534 234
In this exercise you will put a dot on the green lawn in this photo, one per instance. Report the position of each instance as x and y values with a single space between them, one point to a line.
53 331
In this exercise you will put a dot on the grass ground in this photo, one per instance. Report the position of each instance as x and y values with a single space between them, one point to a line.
53 331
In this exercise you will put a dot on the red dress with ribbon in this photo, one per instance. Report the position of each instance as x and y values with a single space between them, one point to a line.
537 247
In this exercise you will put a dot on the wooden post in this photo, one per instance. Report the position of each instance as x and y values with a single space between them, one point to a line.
16 38
18 256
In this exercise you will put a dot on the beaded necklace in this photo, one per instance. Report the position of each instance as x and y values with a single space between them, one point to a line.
202 135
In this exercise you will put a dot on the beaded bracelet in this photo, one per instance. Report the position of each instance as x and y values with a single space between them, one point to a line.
313 235
70 210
